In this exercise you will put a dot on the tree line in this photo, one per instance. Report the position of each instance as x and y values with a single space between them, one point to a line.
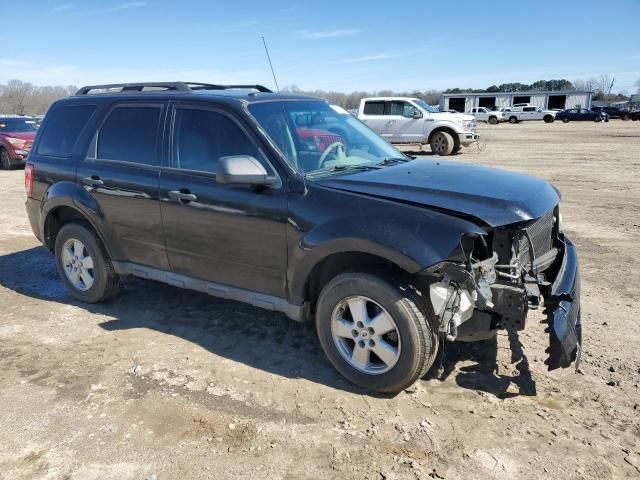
23 98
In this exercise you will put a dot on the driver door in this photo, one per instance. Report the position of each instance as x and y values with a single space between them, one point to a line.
234 235
403 127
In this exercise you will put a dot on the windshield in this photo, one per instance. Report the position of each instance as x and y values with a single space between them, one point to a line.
17 125
318 138
425 106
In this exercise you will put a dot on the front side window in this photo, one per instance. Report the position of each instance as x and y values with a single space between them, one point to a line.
202 137
130 134
63 127
318 138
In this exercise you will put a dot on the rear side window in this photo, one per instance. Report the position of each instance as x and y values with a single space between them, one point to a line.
62 129
130 135
374 108
202 137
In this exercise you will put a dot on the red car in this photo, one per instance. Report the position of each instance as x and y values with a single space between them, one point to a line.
320 138
16 139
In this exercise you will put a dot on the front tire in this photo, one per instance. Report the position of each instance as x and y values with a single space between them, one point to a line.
5 161
565 120
377 332
548 119
493 120
83 264
442 143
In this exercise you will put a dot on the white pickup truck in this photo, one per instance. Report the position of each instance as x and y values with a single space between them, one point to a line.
522 111
483 114
411 120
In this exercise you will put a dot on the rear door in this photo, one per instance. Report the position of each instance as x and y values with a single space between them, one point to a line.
121 174
233 235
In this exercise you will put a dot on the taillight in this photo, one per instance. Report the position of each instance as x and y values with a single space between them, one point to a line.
29 173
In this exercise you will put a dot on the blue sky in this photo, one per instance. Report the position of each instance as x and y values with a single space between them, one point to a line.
331 45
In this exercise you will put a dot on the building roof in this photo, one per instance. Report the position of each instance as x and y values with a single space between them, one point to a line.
530 92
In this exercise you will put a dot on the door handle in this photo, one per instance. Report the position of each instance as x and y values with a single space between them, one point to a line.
182 195
93 181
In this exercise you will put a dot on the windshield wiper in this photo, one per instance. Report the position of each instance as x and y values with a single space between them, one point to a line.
344 168
393 161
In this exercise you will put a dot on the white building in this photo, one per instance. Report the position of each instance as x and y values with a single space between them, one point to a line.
562 99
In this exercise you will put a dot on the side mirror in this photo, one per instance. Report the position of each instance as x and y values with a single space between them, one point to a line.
417 114
243 170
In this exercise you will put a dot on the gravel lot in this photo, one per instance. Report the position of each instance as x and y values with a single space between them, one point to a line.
163 383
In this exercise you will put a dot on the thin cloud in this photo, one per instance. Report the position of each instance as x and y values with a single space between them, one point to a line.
370 58
340 32
117 8
61 8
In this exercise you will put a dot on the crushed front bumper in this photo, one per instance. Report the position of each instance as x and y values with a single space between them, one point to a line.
562 305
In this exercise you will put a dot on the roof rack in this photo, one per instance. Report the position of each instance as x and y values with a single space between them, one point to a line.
174 86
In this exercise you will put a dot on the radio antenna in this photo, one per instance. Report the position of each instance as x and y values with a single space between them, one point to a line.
270 64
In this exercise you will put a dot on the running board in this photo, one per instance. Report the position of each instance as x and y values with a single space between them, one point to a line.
261 300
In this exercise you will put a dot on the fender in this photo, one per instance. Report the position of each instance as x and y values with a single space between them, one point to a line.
59 194
411 237
68 194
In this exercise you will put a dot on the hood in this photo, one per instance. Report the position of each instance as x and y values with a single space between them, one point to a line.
452 117
27 136
495 197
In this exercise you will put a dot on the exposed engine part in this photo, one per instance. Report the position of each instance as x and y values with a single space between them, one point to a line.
453 306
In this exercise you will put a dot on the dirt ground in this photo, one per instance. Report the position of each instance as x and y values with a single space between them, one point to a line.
162 383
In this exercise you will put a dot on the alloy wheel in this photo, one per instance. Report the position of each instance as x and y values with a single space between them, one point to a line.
77 264
365 335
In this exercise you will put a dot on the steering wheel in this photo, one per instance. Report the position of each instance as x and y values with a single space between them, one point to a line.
338 146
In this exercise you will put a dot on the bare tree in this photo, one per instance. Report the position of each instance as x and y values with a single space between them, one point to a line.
605 84
586 84
22 98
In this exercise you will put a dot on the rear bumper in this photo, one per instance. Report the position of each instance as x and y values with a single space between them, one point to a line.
563 311
33 213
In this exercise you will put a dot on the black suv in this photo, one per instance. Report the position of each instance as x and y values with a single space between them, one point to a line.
292 204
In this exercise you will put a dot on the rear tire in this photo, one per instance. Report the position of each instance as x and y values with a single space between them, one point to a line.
597 120
84 265
625 117
442 143
5 161
513 120
410 349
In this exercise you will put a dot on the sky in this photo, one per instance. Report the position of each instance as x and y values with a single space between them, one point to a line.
342 45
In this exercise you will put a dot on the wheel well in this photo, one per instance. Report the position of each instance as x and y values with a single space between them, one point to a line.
56 219
450 131
342 262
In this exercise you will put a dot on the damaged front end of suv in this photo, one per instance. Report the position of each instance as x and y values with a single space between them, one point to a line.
493 280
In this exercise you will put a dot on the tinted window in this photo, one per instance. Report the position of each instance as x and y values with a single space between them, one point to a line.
374 108
129 135
62 129
529 109
202 137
